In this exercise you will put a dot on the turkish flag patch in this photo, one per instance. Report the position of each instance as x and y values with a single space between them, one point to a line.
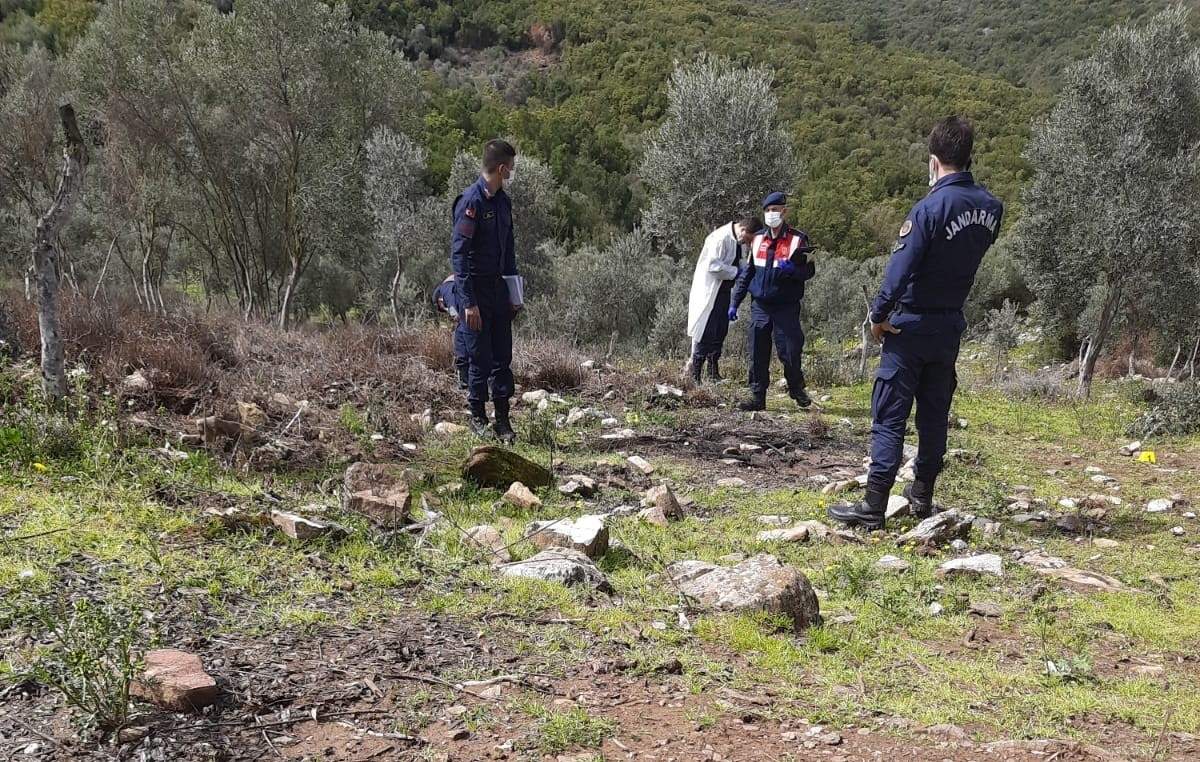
469 212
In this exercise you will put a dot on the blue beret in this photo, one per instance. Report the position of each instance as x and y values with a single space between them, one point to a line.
775 199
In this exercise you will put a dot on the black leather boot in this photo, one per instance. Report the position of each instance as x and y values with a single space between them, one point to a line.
503 428
920 497
479 421
754 402
714 369
867 513
802 399
697 365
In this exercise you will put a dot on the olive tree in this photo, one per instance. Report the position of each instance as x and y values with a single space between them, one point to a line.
717 154
1112 214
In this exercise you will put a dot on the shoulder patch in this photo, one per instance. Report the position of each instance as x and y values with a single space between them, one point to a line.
899 245
470 212
906 228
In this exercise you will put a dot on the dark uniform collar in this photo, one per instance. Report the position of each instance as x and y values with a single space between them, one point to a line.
784 230
958 178
486 190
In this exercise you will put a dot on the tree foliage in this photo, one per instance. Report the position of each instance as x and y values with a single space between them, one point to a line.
1112 214
717 154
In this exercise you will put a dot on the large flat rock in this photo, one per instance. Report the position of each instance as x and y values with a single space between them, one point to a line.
493 466
761 583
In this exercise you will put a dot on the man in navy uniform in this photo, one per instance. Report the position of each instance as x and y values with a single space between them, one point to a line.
444 301
779 263
482 253
918 317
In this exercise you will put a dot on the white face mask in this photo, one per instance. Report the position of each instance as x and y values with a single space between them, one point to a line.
773 219
512 175
932 172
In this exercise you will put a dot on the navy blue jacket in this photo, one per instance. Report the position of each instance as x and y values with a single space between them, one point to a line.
482 246
941 244
445 291
762 276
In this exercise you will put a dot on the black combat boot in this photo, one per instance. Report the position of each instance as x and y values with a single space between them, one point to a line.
697 365
756 401
867 513
920 497
479 420
503 428
802 399
714 369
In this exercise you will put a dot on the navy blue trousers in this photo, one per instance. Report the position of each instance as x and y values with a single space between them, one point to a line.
462 358
913 367
489 350
717 327
781 324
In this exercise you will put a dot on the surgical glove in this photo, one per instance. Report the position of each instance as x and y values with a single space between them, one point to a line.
786 267
733 314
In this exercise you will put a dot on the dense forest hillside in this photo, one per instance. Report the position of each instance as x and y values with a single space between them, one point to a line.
1027 42
578 83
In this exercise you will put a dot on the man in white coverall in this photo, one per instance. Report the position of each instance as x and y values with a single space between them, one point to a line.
708 304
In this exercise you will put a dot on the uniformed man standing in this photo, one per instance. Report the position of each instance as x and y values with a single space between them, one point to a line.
482 253
918 317
445 301
712 286
780 261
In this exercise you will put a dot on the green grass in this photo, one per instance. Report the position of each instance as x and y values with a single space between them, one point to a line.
131 526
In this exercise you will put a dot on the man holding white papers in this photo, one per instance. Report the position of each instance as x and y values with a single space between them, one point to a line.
483 255
712 284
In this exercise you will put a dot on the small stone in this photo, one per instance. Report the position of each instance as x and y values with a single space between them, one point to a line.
988 563
836 488
1104 542
1093 470
731 482
609 423
663 498
897 506
1102 479
25 574
1159 505
448 429
175 680
1188 515
534 397
893 564
300 528
522 497
959 546
578 485
565 566
986 609
1177 531
488 537
377 491
665 390
132 735
936 609
1130 449
586 534
641 464
655 516
32 749
831 739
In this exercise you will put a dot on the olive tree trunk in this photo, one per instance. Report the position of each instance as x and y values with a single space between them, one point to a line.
45 256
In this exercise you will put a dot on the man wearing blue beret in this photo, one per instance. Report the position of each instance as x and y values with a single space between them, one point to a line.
779 264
